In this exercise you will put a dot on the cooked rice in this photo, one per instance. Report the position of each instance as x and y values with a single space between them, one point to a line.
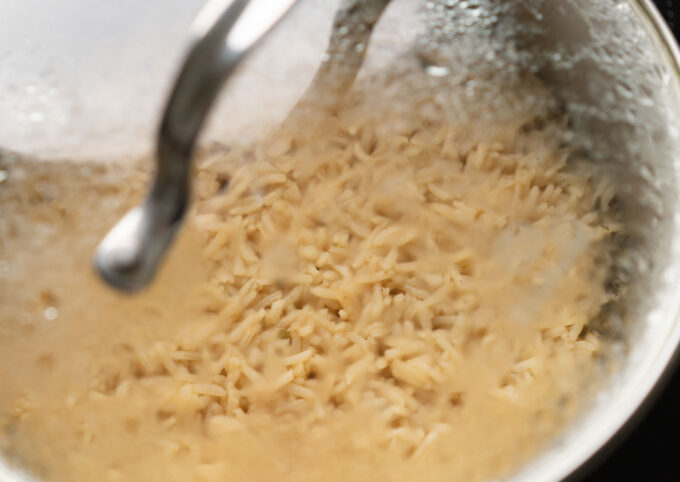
392 274
353 271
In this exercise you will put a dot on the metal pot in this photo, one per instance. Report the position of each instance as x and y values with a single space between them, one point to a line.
613 67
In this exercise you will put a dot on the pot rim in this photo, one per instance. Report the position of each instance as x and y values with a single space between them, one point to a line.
666 362
581 455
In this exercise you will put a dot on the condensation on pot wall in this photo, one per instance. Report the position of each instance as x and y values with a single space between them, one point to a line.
603 63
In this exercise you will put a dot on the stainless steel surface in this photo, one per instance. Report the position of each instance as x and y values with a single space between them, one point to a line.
643 135
225 30
614 68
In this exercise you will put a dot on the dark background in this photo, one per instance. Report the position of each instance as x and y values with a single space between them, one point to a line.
652 451
671 12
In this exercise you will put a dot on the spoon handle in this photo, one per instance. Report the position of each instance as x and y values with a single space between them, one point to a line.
222 34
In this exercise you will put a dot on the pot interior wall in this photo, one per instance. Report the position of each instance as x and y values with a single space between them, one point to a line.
604 67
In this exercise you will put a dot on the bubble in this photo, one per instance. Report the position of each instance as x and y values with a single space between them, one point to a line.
51 313
36 117
437 71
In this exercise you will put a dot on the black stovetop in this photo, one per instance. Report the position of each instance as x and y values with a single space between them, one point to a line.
651 452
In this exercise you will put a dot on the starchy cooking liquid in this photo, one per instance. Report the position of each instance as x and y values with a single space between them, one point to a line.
352 302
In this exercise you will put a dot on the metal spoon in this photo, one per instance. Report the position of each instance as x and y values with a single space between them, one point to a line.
223 32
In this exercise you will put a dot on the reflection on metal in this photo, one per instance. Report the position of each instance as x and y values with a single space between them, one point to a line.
224 31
